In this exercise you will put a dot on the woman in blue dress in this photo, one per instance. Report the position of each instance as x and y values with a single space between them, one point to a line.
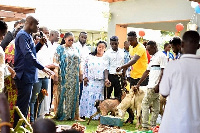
67 79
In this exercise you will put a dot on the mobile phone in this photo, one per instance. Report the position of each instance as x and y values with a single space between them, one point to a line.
41 34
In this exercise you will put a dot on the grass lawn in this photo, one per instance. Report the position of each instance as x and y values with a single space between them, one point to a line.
94 123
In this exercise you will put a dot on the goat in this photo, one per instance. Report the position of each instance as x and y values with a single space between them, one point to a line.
104 107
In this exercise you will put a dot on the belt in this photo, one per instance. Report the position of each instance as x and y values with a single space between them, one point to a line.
155 66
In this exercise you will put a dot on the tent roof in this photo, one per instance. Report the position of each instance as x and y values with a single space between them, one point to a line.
14 13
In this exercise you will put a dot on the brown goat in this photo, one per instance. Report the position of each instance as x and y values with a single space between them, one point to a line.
104 107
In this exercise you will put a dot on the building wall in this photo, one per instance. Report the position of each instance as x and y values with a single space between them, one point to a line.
153 14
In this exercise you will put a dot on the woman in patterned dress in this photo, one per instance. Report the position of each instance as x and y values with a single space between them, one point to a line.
93 81
10 87
67 79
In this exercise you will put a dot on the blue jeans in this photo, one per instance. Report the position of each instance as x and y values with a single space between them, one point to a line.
23 98
42 84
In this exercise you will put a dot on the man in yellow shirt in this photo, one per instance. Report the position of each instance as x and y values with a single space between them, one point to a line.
138 63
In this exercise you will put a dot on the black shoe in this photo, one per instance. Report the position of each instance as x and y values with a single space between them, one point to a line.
83 117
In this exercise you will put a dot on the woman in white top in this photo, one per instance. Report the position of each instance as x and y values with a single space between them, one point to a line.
93 88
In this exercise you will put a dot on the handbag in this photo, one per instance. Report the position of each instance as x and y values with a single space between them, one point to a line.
6 72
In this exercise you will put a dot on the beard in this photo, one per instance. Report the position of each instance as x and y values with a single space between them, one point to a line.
82 42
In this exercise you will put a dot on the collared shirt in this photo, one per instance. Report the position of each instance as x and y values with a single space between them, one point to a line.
140 66
169 55
113 59
25 62
45 57
181 82
158 61
178 56
52 49
83 52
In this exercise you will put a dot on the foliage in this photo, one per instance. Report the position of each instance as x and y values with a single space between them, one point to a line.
102 38
165 33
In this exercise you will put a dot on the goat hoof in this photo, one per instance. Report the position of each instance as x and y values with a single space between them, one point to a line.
129 120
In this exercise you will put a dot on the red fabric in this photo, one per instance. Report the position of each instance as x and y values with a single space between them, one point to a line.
148 56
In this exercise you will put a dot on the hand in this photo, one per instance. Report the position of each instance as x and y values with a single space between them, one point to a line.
156 89
107 83
125 82
52 66
86 81
13 74
43 40
48 71
118 69
80 77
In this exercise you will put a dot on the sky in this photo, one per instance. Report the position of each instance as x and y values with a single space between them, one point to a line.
66 14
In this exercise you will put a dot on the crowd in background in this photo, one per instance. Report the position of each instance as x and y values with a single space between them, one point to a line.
67 77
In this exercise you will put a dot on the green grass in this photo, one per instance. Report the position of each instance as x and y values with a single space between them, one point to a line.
94 123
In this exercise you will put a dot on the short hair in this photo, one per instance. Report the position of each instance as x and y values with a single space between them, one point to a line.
114 38
125 42
22 21
53 32
16 23
151 43
3 27
145 43
175 41
83 32
191 36
42 28
165 45
132 33
44 126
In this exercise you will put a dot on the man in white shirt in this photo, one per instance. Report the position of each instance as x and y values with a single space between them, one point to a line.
154 70
84 52
113 58
52 46
45 57
181 83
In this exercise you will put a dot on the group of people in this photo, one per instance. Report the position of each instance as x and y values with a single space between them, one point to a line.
75 77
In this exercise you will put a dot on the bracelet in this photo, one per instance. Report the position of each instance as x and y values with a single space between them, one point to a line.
5 124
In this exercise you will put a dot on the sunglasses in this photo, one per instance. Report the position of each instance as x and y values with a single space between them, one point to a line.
70 40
